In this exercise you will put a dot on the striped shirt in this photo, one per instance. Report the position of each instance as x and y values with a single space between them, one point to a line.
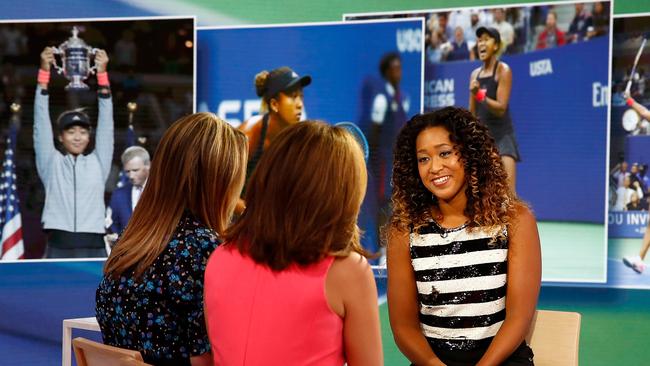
461 282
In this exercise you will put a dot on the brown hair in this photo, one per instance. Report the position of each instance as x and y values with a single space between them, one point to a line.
260 88
490 202
303 198
199 166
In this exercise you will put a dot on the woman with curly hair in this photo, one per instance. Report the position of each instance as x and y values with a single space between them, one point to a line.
464 262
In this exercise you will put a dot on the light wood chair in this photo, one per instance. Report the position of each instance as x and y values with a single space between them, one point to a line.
90 353
554 337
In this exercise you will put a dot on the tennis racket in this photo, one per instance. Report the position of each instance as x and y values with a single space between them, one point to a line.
636 62
358 135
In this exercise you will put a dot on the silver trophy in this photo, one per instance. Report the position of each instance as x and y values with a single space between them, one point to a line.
75 56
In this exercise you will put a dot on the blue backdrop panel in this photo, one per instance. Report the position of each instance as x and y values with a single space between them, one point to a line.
558 106
637 149
627 224
339 58
343 61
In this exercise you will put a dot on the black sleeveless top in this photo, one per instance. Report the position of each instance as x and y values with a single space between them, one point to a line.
461 281
259 150
499 126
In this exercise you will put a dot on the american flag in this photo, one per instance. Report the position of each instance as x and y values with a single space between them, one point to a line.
10 220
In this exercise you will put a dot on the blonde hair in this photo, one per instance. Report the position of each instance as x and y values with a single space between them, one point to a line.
303 198
199 166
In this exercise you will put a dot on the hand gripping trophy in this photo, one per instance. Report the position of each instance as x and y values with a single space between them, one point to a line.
75 56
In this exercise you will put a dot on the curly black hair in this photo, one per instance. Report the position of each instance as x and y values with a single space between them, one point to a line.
490 202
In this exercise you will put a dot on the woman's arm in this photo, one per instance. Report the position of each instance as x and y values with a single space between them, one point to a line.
499 106
639 108
403 307
352 294
43 135
524 277
473 89
104 137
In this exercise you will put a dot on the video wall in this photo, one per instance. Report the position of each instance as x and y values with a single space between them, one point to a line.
582 149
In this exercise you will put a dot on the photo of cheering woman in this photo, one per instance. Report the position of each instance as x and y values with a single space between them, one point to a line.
490 87
282 106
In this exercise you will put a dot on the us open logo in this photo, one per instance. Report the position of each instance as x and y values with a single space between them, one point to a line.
541 67
409 40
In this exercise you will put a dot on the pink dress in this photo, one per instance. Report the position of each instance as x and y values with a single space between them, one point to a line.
259 317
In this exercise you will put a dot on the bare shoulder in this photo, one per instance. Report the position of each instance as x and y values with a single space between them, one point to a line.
397 237
503 70
352 266
524 215
250 125
524 227
475 72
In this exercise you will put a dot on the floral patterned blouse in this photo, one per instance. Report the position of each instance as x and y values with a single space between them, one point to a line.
161 314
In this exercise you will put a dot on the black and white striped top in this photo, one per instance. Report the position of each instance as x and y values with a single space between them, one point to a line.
461 282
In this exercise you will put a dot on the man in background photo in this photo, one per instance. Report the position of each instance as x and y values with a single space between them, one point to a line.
136 162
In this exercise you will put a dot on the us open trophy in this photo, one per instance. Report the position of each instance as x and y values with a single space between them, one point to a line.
75 56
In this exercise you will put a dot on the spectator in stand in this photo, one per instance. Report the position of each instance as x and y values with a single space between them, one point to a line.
643 176
475 23
580 24
619 173
634 204
460 18
505 29
624 194
600 20
635 175
445 32
459 48
552 36
433 42
645 204
475 20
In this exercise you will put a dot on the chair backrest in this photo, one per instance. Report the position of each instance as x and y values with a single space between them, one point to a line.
90 353
554 337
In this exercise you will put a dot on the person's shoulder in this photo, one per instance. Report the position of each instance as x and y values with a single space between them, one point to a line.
524 217
353 266
503 68
123 190
252 123
192 234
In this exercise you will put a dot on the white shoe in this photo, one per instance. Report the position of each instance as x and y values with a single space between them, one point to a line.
635 263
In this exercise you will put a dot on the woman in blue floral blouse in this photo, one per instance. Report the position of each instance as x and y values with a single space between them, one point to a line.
151 296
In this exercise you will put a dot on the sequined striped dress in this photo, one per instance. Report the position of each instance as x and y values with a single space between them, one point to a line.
461 282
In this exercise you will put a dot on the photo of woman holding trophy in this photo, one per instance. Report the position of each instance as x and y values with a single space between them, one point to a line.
74 178
73 129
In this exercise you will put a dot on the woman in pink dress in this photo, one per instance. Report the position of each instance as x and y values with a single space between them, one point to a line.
291 285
